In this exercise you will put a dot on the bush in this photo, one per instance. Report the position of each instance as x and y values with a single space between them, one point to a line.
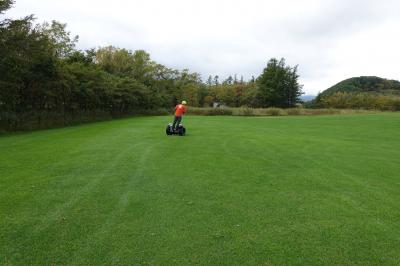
275 111
245 111
210 111
296 111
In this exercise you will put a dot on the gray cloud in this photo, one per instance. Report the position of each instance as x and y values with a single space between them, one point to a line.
329 40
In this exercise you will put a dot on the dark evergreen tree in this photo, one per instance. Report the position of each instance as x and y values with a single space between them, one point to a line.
209 81
228 81
5 5
216 81
278 85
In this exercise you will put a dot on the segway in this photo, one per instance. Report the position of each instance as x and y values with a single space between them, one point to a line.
181 130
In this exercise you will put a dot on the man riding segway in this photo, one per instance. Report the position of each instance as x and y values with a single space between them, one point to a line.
176 128
180 110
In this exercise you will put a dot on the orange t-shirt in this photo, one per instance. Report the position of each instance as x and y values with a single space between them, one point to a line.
180 109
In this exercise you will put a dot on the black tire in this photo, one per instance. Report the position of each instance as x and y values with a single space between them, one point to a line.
182 131
168 131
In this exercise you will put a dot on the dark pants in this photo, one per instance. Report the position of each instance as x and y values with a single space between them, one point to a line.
177 120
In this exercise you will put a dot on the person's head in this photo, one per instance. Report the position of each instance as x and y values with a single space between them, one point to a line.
184 102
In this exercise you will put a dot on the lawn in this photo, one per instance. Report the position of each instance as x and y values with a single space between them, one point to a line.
304 190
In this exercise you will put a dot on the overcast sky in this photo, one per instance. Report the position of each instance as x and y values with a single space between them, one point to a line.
330 40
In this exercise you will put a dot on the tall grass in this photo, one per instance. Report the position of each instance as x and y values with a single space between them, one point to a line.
247 111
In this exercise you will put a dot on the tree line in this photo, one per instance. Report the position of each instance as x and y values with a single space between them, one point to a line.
45 81
357 100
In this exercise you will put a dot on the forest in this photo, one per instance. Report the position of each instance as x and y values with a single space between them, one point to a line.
46 81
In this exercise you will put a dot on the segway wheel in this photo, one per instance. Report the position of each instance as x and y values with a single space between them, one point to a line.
182 131
169 131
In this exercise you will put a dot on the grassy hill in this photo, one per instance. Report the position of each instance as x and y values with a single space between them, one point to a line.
321 190
368 84
361 93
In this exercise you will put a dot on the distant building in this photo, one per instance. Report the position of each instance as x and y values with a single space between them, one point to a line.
218 105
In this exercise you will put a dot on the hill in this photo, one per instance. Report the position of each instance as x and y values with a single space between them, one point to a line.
368 84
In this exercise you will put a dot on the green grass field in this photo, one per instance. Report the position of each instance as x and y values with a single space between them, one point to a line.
320 190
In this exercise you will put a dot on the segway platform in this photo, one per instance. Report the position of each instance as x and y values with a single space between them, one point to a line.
181 130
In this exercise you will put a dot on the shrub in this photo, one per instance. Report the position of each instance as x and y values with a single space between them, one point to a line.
243 111
295 111
210 111
275 111
246 111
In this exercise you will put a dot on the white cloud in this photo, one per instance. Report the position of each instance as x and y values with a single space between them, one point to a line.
329 40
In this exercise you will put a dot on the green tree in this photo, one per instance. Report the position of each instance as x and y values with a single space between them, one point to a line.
209 81
5 5
143 67
60 38
293 90
228 81
278 85
115 60
27 64
216 81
